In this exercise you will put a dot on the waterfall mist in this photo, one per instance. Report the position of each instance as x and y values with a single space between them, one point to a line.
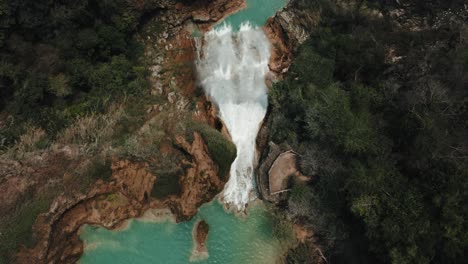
232 68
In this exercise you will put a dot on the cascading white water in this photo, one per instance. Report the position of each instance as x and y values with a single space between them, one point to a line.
232 68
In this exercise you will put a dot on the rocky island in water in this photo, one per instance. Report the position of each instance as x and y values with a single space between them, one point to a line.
241 131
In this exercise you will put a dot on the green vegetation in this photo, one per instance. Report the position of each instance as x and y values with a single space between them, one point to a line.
16 227
60 60
378 113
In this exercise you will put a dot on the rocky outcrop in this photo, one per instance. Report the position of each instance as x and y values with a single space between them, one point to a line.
201 182
200 234
107 204
125 196
133 179
287 30
199 237
208 11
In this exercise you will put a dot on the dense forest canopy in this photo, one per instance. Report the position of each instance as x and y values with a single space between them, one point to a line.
378 110
62 59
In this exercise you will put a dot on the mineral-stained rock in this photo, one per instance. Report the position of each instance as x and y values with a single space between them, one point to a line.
201 181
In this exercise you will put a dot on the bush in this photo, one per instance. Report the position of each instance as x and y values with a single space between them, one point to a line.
58 85
92 130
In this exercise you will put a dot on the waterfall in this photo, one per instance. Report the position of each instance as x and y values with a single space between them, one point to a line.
232 68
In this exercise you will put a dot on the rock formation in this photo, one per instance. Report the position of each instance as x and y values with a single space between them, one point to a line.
287 30
200 183
127 195
200 235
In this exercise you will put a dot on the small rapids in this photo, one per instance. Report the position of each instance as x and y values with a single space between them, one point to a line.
232 67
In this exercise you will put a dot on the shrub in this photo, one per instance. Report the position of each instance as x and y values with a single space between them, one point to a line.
92 130
58 85
281 226
34 138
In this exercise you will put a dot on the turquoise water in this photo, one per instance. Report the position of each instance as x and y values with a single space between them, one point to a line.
257 13
231 239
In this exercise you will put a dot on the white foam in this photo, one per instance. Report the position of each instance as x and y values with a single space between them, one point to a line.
232 68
